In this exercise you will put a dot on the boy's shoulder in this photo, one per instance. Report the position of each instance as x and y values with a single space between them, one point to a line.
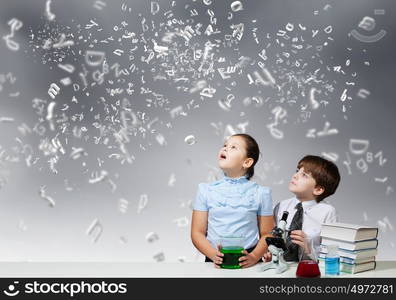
322 204
285 204
325 205
287 201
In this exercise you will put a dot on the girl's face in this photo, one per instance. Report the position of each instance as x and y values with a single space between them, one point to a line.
232 157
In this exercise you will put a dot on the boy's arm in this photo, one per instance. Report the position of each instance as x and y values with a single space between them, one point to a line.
199 226
331 217
299 237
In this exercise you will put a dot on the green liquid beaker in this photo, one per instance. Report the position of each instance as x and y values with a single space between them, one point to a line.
231 257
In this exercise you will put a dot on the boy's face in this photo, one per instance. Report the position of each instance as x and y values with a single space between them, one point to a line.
303 185
232 156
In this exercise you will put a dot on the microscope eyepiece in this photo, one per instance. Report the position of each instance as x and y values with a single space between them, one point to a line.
285 215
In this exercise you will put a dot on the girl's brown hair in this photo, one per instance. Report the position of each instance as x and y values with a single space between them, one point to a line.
252 151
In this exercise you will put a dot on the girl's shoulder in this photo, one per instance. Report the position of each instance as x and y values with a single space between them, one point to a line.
250 185
211 184
261 188
208 184
204 186
216 183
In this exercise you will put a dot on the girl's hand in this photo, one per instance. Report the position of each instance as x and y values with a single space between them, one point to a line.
248 260
267 257
298 237
218 257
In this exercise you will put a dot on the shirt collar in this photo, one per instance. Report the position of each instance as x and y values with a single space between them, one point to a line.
241 179
307 204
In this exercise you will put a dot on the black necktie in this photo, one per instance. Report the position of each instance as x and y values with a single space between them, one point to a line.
291 254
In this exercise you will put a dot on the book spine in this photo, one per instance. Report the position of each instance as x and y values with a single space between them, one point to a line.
349 246
351 270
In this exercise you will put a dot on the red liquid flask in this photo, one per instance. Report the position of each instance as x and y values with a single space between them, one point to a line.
308 268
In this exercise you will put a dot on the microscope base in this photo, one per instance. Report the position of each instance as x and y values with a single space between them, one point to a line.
280 268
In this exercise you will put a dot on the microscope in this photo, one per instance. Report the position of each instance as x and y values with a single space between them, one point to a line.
277 246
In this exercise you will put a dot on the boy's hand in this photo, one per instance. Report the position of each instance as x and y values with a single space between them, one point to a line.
218 257
248 260
298 237
267 257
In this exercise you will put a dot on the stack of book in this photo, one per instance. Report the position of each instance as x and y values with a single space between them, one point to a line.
357 246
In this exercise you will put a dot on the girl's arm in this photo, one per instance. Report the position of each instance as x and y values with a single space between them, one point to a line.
199 226
265 223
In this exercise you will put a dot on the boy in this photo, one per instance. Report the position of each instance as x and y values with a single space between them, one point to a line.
315 179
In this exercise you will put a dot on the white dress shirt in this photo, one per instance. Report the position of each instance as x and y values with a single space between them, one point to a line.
315 214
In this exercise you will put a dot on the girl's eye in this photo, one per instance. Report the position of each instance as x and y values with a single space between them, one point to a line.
233 147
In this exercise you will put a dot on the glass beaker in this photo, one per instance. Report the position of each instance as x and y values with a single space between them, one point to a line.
308 265
332 261
232 248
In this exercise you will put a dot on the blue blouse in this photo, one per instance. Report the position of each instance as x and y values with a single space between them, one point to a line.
233 205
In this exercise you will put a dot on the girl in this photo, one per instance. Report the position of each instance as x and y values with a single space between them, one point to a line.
233 205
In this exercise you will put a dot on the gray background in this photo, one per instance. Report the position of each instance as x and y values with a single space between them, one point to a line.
32 230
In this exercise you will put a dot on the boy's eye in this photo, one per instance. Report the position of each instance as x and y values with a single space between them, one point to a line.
233 147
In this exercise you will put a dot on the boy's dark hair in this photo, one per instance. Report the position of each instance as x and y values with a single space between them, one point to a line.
252 151
324 172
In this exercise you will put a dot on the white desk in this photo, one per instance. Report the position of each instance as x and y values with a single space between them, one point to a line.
154 269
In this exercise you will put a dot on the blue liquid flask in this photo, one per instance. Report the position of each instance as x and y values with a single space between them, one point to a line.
332 261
